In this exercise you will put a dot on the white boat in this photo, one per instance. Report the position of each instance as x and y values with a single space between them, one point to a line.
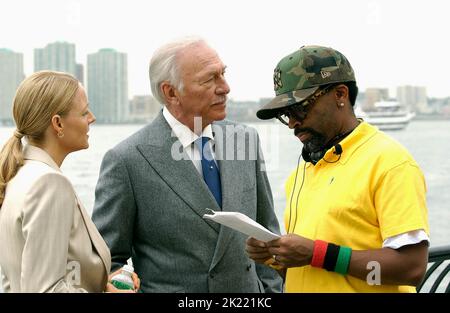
387 115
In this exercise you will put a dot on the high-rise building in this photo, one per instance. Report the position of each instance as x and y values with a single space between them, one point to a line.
143 109
57 56
107 85
80 73
414 98
372 95
11 75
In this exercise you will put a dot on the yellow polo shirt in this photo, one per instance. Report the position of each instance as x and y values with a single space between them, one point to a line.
374 191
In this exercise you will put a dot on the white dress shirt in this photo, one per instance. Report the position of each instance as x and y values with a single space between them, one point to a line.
187 138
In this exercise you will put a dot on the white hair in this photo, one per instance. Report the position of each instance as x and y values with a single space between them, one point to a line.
164 67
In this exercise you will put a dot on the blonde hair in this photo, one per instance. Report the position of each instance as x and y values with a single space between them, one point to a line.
39 97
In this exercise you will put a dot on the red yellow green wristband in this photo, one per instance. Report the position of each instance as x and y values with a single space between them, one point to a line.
331 257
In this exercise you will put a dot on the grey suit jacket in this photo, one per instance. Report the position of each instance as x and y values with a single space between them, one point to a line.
149 206
48 242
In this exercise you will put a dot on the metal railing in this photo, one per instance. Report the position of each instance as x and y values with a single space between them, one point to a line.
437 278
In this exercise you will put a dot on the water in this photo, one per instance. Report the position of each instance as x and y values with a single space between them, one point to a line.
428 142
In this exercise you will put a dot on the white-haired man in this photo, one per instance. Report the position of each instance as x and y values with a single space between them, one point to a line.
155 186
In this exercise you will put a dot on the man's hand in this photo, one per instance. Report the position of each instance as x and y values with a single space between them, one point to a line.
291 250
110 287
257 250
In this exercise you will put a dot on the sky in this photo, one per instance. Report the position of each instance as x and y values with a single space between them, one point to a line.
389 43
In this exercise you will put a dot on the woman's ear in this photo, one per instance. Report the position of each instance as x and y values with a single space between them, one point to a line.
57 123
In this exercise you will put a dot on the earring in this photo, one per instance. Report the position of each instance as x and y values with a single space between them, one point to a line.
341 104
60 134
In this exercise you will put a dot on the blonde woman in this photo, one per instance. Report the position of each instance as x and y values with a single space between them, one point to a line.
48 242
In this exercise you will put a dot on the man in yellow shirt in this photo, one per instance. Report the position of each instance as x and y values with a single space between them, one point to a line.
356 215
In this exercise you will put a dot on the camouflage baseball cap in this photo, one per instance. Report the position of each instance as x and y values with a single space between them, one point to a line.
300 74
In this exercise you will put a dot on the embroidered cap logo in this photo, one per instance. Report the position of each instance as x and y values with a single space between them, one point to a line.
325 74
277 79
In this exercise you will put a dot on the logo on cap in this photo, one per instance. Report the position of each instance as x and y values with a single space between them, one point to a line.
277 79
325 74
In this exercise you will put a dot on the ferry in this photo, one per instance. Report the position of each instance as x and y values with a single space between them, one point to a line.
387 115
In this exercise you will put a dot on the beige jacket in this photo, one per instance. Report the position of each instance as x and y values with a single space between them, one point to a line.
48 243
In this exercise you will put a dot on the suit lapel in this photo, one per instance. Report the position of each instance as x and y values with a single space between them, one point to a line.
179 172
230 190
97 240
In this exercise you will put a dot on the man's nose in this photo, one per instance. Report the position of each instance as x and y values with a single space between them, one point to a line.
223 87
293 122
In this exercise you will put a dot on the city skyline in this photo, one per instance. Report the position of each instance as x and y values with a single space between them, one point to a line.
389 43
107 86
39 65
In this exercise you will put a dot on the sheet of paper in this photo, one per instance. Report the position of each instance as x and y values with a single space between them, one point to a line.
242 223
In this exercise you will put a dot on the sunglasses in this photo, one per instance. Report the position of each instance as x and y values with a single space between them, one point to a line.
298 110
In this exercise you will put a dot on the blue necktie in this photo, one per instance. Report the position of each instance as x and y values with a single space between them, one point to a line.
211 173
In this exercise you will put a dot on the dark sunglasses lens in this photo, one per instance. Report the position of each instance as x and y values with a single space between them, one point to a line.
283 118
298 112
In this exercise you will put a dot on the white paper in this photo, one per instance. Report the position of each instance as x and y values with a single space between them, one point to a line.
242 223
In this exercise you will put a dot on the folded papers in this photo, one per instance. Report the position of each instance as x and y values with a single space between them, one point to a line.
241 223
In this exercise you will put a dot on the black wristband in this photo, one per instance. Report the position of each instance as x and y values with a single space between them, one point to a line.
331 257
